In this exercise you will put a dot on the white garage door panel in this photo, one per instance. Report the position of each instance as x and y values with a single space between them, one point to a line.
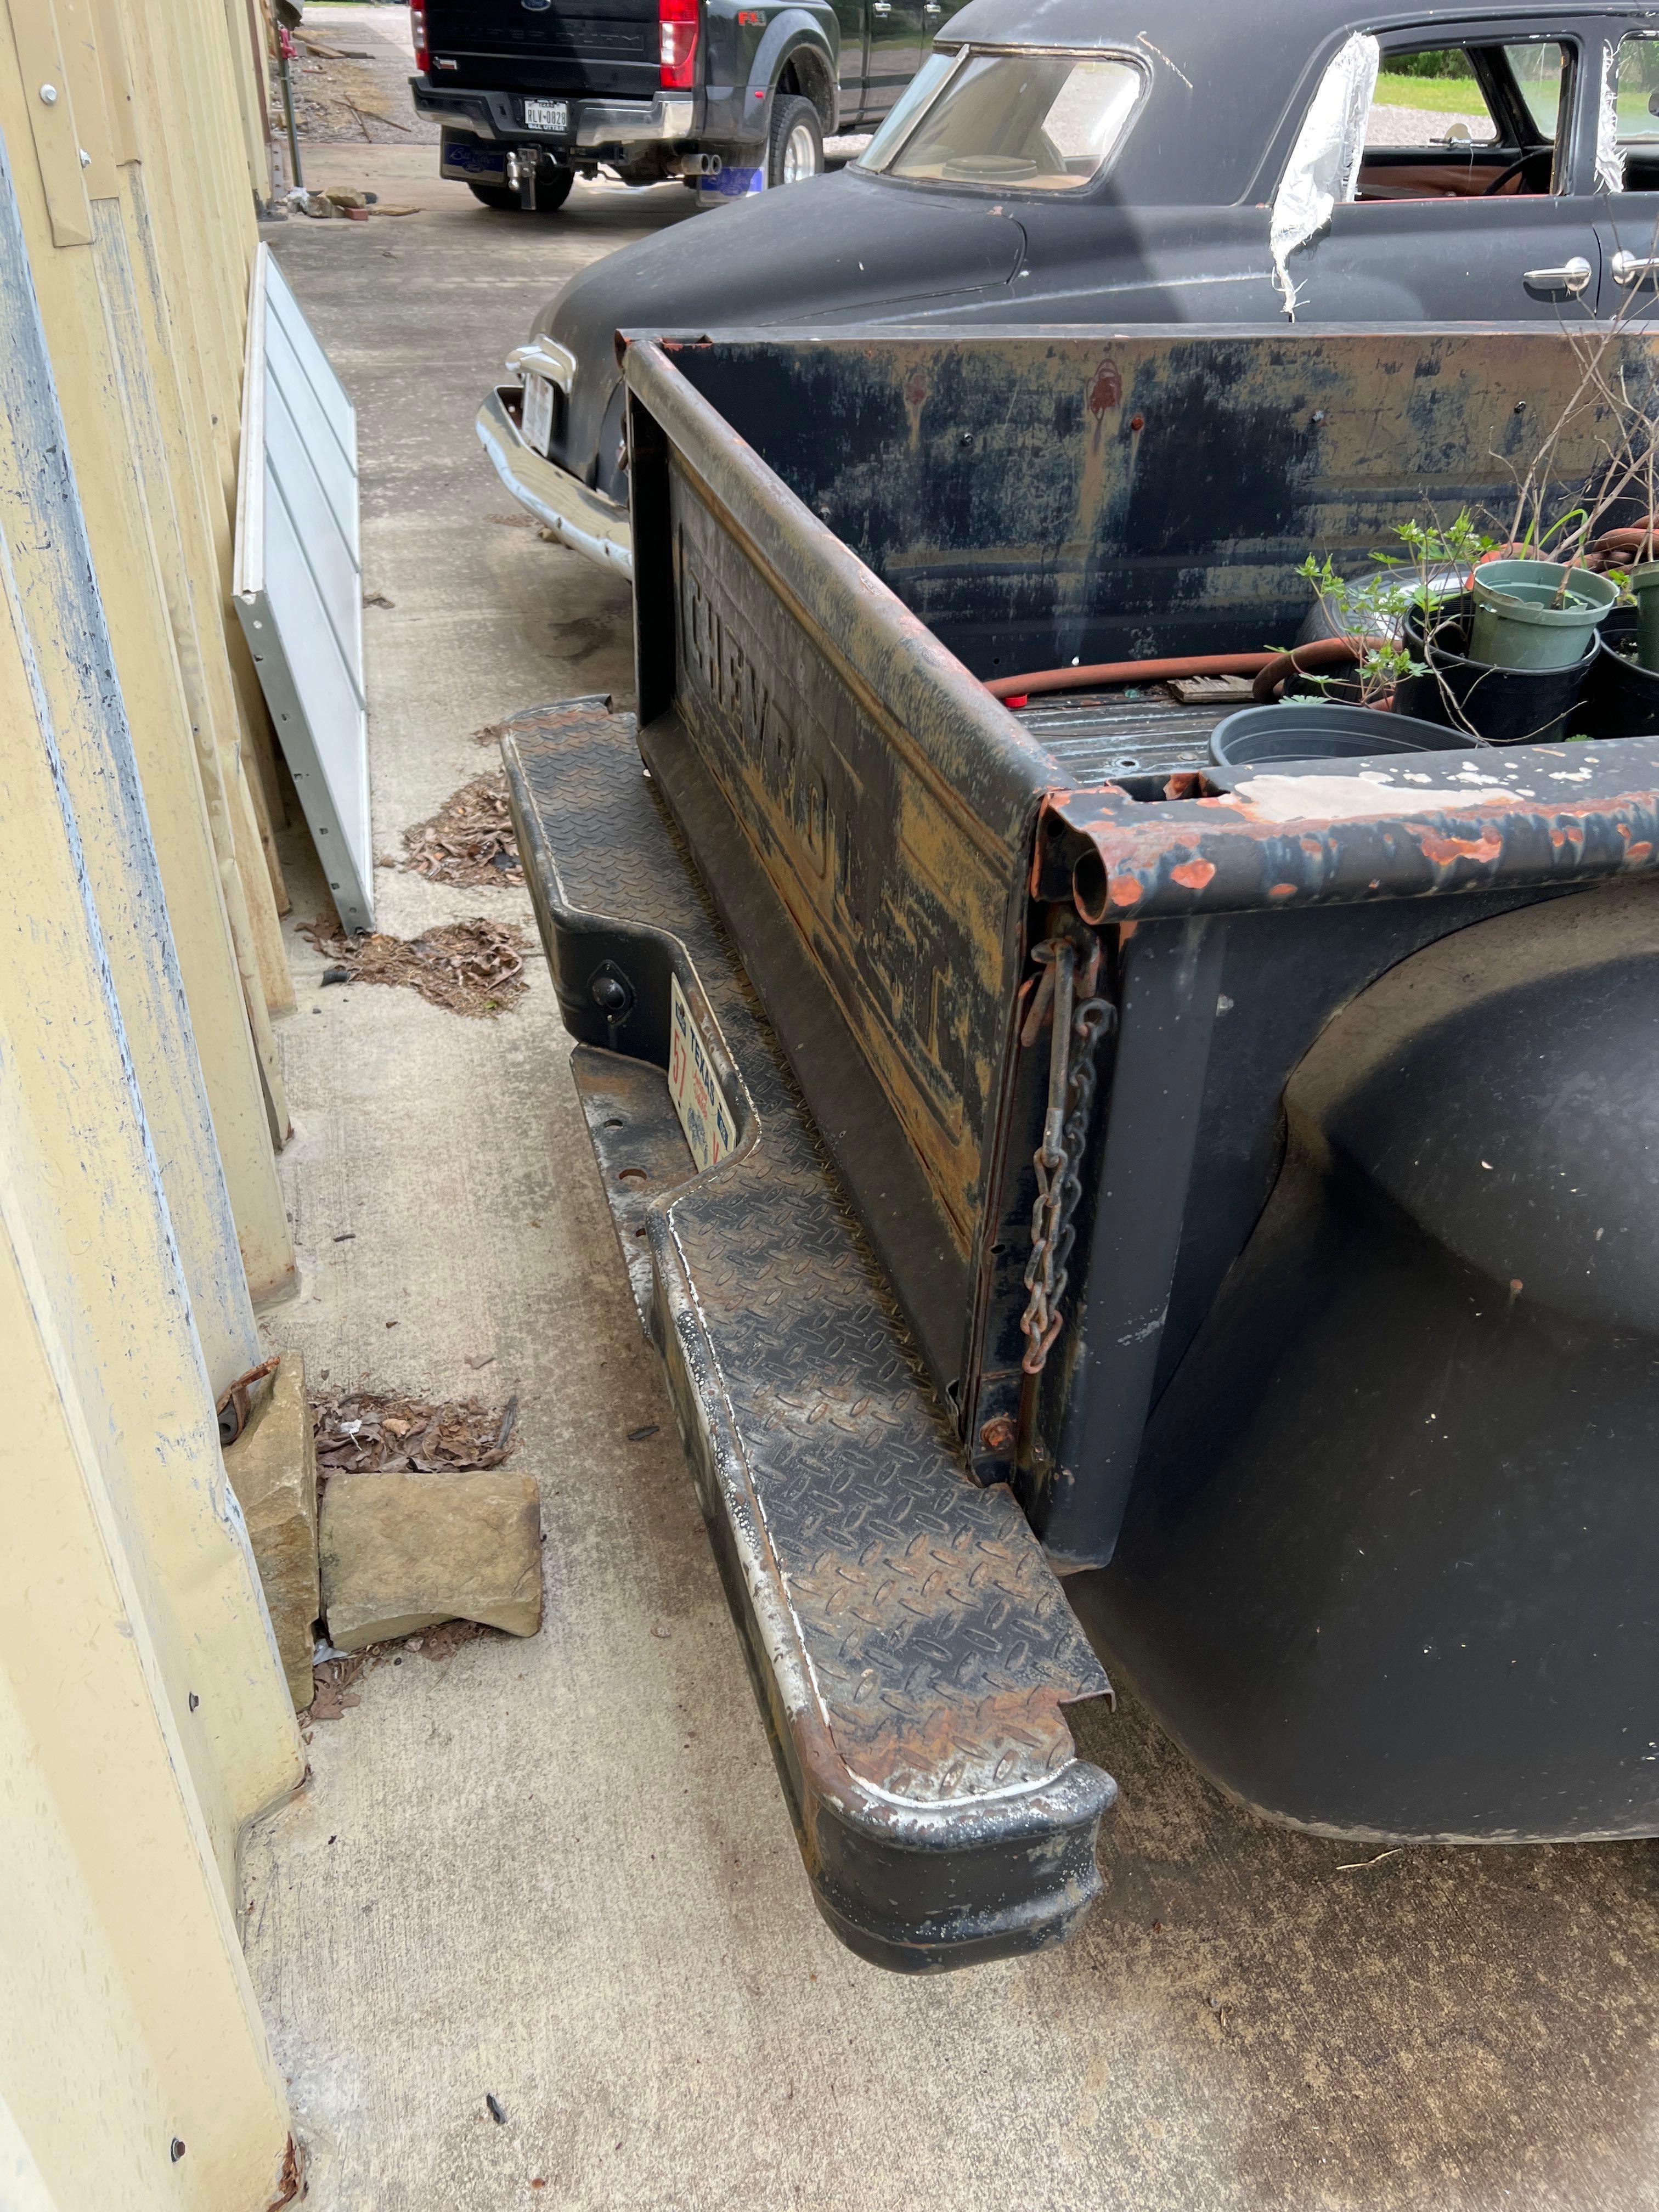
313 362
333 568
336 464
297 580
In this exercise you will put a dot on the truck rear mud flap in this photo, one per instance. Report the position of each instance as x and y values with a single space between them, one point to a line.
911 1648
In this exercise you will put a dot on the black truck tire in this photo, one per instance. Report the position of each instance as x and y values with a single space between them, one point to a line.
552 190
794 149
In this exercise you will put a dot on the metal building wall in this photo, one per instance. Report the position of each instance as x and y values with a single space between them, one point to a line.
144 1716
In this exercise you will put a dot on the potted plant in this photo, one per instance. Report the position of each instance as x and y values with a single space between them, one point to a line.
1433 601
1345 708
1501 635
1531 613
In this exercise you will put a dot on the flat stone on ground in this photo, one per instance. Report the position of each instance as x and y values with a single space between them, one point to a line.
273 1468
402 1551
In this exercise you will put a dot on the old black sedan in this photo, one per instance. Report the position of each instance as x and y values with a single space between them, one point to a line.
1086 162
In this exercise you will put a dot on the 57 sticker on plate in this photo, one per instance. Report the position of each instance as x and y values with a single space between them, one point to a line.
710 1127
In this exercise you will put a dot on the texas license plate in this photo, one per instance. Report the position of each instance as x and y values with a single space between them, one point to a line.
538 412
707 1120
547 115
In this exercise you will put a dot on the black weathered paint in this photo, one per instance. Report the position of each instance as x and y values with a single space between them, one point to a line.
1238 1300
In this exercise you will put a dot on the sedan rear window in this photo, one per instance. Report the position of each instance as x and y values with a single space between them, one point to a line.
1030 122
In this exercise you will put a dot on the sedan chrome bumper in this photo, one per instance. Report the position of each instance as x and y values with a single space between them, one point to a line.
585 520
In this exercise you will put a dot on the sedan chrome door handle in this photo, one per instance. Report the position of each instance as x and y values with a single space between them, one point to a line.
1630 268
881 7
1573 276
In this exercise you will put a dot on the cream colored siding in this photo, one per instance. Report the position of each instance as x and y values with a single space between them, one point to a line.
143 1714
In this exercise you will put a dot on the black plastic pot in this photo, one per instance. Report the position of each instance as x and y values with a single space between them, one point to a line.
1324 729
1505 706
1621 698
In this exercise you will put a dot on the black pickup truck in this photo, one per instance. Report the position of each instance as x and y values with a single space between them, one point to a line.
731 98
1326 1418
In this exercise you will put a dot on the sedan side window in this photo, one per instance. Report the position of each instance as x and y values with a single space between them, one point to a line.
1543 76
1636 102
1428 100
1466 122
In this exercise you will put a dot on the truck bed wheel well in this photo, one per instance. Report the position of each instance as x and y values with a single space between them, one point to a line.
806 73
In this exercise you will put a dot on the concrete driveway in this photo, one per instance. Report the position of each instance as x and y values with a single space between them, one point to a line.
559 1873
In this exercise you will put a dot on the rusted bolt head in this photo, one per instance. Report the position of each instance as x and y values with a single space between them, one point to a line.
1136 422
998 1435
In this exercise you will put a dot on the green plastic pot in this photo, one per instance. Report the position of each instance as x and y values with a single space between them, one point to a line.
1644 582
1524 618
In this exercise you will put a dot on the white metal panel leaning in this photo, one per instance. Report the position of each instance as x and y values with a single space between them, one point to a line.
298 578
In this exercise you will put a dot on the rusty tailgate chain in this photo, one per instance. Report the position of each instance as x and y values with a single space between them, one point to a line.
1078 1024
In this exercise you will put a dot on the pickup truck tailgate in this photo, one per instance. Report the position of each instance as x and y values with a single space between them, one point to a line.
911 1646
602 47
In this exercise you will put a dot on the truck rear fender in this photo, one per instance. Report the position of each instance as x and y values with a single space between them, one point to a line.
793 41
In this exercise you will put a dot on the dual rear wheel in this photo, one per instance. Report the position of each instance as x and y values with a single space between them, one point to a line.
794 152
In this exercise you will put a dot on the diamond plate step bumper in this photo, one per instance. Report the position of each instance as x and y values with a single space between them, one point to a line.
910 1645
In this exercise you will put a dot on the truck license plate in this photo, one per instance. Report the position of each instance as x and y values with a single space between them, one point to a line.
706 1118
538 412
547 115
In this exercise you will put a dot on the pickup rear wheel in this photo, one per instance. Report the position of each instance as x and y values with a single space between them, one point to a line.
552 190
795 150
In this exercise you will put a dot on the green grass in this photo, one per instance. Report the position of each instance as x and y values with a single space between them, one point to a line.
1443 95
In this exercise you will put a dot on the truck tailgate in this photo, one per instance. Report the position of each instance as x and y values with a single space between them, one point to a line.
911 1646
607 47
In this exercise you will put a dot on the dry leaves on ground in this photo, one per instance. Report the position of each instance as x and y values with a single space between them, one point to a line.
290 2175
338 93
332 1680
474 968
375 1433
335 1680
469 841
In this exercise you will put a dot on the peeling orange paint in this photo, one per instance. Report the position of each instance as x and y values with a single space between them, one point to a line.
1193 875
1443 851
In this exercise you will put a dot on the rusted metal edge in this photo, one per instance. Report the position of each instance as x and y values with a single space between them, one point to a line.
994 1855
917 690
1341 832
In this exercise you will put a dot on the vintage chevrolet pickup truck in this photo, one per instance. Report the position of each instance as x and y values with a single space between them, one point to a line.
1095 1208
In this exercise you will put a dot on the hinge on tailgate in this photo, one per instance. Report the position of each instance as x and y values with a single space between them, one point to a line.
1080 1019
